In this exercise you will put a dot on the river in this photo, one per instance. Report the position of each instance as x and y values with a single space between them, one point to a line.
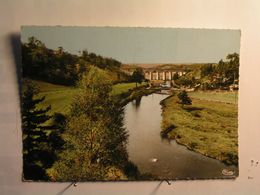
160 157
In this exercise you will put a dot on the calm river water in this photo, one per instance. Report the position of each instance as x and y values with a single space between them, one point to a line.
160 157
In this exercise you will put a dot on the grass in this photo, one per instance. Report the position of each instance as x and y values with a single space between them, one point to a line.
59 100
207 127
227 96
60 97
48 87
124 87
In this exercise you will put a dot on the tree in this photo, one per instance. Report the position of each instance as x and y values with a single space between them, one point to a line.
184 98
233 66
94 134
34 57
137 76
59 66
228 71
41 142
184 81
35 133
206 70
84 55
221 68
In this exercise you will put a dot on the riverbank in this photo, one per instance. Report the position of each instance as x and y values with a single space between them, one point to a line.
133 94
208 127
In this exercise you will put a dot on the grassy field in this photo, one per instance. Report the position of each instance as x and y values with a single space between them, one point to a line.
60 97
227 96
124 87
49 87
208 127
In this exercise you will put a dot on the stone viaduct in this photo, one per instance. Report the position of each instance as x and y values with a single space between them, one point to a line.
161 74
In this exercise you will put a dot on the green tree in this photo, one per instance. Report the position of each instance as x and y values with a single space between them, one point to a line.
221 68
34 57
35 133
84 55
94 134
233 66
137 76
59 66
41 142
184 98
228 70
206 70
184 81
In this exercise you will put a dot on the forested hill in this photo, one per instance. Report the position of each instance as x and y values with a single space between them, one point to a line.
61 67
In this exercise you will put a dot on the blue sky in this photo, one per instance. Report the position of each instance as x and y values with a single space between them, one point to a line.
141 45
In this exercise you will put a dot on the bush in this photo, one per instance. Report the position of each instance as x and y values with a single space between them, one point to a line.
184 98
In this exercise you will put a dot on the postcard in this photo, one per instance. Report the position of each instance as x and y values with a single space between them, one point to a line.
129 103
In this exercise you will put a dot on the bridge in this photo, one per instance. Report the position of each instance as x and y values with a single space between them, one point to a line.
161 74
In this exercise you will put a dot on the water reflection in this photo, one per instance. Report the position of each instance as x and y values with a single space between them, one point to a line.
162 157
136 103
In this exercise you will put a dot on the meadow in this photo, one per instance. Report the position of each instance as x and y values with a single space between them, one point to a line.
124 87
208 126
221 96
60 96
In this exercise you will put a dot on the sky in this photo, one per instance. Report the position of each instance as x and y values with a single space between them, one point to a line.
139 44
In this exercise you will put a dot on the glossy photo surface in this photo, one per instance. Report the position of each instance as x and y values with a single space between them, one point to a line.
129 103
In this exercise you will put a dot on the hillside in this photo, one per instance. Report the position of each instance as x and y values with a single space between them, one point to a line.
61 67
60 96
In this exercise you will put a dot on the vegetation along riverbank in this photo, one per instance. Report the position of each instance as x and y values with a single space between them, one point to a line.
208 126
